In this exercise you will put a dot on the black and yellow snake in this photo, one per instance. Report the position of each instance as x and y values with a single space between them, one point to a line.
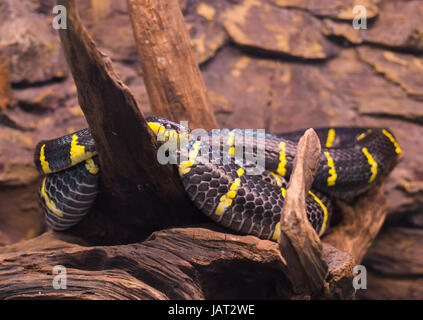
352 161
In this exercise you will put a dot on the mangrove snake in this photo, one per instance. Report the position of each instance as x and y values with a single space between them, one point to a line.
351 162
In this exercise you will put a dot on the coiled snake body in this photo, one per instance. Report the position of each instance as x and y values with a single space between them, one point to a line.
352 161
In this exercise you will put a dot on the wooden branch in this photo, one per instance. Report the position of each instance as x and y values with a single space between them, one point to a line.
338 282
343 247
174 83
180 263
140 195
361 220
5 85
361 223
299 243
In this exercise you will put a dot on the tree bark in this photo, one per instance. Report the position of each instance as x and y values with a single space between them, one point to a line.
174 83
299 242
357 231
180 263
5 86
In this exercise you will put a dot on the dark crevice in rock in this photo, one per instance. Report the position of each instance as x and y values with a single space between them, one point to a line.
412 119
27 85
398 49
6 121
259 53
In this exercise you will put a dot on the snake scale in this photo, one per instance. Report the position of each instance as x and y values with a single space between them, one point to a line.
351 162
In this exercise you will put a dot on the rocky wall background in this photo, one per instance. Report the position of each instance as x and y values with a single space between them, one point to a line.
274 64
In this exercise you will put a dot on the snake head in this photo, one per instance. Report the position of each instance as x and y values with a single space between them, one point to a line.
166 129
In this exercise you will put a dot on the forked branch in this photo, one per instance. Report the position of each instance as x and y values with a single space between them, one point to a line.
138 191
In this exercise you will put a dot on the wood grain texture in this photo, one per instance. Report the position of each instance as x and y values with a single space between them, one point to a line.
174 83
180 263
361 222
5 85
299 242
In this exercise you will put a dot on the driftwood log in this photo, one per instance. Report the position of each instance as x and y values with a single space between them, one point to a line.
142 259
